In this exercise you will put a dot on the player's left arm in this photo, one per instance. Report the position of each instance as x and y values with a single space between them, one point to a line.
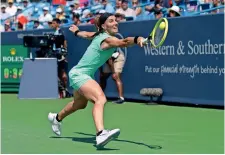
82 34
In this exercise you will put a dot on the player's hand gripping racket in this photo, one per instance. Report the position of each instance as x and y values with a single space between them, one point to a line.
158 34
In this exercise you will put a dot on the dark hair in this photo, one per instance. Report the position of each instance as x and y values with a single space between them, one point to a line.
157 11
119 15
56 20
124 1
76 15
176 14
101 21
36 21
19 25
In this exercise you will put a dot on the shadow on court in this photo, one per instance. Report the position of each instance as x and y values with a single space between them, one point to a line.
91 140
156 147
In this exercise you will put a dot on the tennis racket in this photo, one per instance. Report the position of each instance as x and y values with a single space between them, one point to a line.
158 34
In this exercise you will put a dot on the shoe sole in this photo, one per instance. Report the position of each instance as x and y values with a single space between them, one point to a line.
114 136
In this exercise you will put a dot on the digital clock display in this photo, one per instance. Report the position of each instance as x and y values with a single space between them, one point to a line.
12 73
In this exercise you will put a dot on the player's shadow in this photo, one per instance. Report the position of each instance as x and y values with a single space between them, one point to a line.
156 147
91 140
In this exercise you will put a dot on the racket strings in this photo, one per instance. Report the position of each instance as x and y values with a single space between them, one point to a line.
158 35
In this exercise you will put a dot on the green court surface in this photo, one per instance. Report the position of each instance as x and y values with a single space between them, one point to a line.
144 129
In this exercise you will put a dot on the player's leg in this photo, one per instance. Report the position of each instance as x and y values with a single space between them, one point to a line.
118 67
93 92
79 102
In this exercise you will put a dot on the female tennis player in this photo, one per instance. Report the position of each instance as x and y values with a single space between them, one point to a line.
81 77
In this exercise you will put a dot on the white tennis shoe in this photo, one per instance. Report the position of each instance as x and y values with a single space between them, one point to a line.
106 136
56 126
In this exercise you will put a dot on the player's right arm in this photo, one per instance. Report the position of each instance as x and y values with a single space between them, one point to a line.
113 42
82 34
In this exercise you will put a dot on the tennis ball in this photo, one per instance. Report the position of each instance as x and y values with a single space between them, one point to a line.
162 25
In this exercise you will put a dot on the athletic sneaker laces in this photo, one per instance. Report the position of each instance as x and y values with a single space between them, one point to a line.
56 126
106 136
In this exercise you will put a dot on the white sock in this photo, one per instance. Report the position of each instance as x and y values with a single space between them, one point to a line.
121 98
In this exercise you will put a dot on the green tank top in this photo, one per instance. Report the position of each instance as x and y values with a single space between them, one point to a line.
94 57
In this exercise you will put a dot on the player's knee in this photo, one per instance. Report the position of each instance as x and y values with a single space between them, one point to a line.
83 106
74 107
101 99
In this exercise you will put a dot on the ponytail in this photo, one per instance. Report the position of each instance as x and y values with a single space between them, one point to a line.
99 21
97 33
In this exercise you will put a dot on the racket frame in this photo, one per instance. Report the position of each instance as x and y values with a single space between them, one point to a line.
150 38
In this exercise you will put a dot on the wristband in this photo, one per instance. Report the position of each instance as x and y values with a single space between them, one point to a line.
75 33
135 39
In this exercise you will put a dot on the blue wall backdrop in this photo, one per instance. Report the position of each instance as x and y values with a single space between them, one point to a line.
189 66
